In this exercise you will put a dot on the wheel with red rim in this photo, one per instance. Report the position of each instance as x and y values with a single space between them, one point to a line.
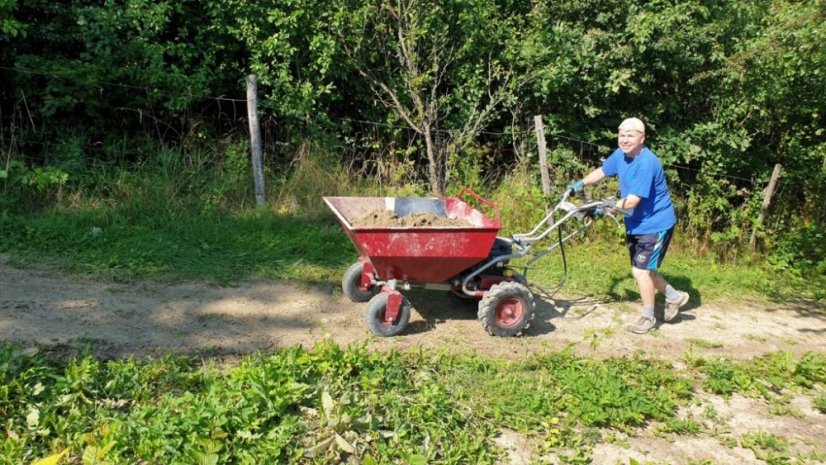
506 309
377 319
351 284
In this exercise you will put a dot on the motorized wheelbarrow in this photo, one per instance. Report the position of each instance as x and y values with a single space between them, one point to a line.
465 257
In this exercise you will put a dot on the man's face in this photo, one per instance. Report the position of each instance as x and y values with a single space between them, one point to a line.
631 141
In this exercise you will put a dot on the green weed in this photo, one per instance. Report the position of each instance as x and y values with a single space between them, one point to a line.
331 404
769 376
767 447
820 403
681 427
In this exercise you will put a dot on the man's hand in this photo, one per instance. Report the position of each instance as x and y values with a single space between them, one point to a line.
576 187
609 206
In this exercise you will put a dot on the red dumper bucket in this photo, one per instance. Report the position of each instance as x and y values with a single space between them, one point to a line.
425 254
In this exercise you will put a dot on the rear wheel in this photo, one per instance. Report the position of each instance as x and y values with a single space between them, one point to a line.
351 284
376 316
506 309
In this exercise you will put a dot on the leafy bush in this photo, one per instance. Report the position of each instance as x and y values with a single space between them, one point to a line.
802 250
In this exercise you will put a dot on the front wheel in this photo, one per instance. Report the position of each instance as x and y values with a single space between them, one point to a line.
352 287
506 309
376 316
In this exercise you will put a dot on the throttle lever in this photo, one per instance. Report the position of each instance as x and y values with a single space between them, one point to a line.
611 203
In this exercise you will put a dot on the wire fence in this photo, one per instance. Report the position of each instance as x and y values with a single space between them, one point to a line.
588 150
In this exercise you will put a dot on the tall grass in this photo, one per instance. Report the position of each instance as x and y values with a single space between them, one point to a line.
189 213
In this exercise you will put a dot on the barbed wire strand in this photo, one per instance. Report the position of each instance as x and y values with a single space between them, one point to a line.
148 88
121 85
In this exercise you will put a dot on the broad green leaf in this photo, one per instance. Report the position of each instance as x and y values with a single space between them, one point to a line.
417 459
344 445
327 404
52 459
94 454
33 418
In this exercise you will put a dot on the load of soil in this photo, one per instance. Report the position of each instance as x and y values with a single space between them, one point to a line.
388 219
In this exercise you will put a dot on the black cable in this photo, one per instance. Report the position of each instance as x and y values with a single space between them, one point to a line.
542 291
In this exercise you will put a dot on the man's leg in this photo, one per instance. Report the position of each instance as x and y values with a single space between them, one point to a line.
659 282
671 294
674 299
647 252
646 287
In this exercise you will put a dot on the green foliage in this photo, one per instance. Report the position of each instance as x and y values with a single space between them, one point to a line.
592 393
769 376
165 50
681 427
767 447
332 404
269 408
820 403
801 250
9 26
291 48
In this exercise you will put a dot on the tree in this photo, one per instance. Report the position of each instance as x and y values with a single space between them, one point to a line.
441 67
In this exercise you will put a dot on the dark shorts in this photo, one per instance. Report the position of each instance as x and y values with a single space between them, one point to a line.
647 251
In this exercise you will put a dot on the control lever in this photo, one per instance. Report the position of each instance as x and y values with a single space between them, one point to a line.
611 203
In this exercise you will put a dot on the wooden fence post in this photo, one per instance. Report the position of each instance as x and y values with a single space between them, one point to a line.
543 155
255 140
767 198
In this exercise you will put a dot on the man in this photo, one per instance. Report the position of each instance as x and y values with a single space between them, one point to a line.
650 225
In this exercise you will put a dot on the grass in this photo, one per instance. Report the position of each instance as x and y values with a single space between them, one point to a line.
191 216
330 404
173 242
163 245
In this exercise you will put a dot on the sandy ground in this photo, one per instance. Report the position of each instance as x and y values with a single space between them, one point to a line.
153 319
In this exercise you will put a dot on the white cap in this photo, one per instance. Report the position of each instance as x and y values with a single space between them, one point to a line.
632 124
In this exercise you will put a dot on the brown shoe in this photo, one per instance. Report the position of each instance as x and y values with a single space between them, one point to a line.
673 308
642 326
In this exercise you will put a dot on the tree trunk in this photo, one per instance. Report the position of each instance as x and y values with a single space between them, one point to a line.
432 162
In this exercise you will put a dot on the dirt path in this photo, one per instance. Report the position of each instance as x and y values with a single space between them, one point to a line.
45 307
154 319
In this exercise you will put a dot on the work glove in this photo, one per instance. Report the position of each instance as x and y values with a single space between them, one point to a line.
576 187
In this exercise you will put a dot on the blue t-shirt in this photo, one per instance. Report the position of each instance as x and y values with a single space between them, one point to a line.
643 176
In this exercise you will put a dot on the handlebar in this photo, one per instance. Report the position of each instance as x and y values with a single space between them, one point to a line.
611 203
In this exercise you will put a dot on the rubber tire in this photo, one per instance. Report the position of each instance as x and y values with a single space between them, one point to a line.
350 284
505 293
374 316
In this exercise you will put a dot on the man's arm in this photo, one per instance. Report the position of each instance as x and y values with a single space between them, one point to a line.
594 177
629 202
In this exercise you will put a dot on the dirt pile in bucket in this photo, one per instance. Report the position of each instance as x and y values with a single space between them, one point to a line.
388 219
